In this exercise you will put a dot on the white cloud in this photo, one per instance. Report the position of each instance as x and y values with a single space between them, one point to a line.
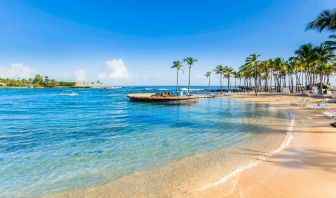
80 75
15 71
116 70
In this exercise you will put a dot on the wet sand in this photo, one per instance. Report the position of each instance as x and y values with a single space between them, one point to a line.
306 168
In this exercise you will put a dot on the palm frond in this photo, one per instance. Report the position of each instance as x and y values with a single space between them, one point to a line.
325 20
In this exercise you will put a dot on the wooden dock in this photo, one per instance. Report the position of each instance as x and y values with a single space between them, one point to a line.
149 97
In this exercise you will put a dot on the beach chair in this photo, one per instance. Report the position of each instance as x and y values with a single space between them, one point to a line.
305 102
302 102
331 101
321 105
330 113
298 102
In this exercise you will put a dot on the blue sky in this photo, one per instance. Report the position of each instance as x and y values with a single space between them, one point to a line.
134 42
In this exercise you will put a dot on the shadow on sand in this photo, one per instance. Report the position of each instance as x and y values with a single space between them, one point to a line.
299 158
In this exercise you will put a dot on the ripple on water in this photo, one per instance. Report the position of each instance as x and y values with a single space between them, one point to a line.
52 143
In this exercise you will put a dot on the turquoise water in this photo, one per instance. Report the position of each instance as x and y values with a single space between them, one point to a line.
51 143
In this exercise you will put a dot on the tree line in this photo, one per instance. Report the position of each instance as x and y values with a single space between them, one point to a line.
40 81
309 66
37 81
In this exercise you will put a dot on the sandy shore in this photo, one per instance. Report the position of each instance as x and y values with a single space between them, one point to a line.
306 168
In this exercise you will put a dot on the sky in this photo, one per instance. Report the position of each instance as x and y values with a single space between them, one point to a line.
134 42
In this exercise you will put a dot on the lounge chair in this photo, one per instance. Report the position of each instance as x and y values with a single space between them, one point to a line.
332 101
330 113
321 105
298 102
302 102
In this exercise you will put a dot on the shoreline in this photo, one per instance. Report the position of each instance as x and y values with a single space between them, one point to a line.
285 143
183 178
306 168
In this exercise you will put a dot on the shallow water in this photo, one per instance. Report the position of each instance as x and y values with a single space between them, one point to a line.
51 143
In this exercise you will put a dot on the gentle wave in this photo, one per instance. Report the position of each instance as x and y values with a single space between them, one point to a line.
287 140
99 135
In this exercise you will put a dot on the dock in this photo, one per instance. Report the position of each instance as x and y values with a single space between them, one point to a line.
149 97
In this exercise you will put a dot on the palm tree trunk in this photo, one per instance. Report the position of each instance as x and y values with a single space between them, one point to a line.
328 79
321 84
209 86
221 84
271 81
189 81
296 81
305 81
177 82
255 81
229 87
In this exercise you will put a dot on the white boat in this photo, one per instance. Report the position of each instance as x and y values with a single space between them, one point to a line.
68 93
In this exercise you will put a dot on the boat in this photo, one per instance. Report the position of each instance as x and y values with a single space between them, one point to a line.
68 93
149 97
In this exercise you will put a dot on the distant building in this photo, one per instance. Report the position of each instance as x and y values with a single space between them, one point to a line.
3 85
79 84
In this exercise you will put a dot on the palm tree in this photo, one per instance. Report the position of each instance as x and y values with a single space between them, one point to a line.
252 61
178 66
266 68
208 75
270 68
326 20
297 68
239 75
220 69
227 74
305 56
235 74
281 67
190 61
332 43
323 55
247 73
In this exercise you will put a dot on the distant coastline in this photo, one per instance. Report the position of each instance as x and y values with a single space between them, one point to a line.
41 82
60 87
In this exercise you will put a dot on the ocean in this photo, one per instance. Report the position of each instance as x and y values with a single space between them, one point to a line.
52 142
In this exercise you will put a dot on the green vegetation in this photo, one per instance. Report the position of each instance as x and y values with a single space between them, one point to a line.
220 69
178 66
67 84
16 83
38 81
228 72
325 21
310 66
190 61
208 75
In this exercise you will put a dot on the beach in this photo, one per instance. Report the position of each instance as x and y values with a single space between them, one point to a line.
299 163
168 99
306 168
